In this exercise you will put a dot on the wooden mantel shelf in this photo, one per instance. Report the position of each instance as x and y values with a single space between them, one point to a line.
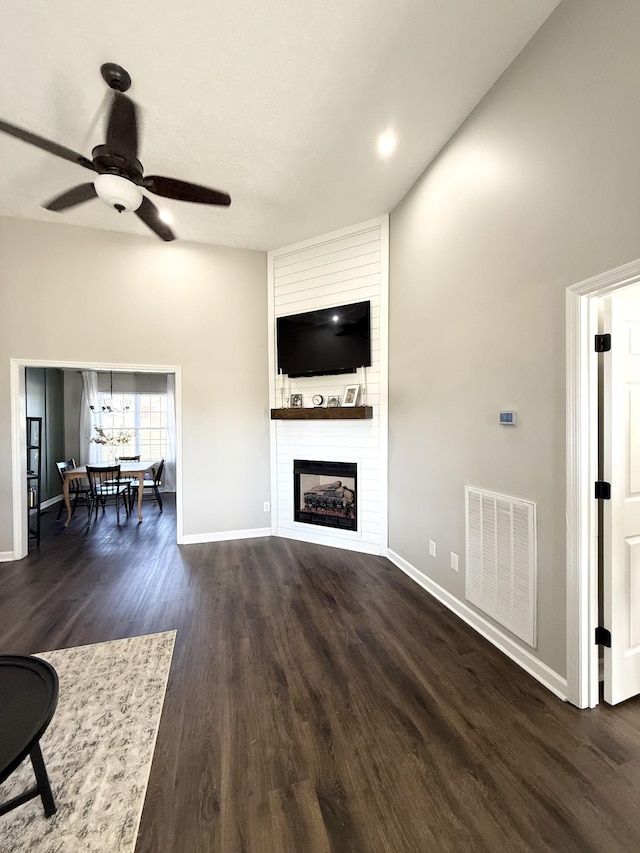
322 413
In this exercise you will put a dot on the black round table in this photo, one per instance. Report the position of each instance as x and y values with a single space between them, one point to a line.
28 699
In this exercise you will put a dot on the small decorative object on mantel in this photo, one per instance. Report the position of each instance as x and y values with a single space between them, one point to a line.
317 400
296 401
351 394
363 387
333 402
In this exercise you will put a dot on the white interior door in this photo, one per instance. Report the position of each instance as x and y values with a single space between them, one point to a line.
621 527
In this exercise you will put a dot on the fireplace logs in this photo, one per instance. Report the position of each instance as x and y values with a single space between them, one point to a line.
320 498
330 497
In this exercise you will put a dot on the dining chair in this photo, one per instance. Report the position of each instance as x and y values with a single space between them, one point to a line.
77 488
151 488
129 480
105 486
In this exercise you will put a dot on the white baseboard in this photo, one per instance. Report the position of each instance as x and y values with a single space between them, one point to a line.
334 542
540 671
7 556
224 536
51 502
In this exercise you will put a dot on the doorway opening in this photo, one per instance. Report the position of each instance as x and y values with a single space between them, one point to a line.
582 443
18 369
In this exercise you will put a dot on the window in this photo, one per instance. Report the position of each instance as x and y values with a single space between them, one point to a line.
143 417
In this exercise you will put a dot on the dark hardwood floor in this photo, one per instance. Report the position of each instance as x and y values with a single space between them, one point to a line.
321 701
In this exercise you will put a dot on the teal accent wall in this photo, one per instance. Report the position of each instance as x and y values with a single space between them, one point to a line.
45 399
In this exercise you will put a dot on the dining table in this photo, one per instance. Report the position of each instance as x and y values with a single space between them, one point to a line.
128 470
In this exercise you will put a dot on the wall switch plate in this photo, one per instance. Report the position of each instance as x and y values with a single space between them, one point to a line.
454 562
266 506
432 548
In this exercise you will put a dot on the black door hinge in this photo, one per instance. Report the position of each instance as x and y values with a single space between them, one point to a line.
603 490
603 343
603 637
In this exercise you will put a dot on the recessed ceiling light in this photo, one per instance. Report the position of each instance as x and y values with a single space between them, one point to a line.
335 318
386 143
166 217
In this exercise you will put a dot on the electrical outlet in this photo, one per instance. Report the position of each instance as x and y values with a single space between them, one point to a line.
266 506
454 562
432 548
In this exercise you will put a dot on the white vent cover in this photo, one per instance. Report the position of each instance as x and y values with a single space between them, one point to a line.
501 562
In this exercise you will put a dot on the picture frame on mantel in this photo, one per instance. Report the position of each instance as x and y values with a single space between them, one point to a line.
296 401
351 394
333 401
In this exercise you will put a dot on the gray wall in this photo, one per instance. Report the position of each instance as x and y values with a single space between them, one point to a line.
539 189
65 293
72 399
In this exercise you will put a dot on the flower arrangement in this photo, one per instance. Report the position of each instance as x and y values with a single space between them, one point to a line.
113 437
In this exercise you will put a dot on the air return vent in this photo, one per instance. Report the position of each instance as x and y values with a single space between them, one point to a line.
501 563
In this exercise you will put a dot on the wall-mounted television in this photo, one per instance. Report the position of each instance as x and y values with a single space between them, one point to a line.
325 342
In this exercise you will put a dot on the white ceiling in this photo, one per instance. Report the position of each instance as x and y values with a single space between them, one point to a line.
278 102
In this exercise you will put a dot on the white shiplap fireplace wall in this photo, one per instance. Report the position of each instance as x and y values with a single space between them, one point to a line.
350 265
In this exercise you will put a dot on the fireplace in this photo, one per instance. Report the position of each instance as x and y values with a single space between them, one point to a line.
325 493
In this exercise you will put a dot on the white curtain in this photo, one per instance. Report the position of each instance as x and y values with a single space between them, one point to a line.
89 452
170 459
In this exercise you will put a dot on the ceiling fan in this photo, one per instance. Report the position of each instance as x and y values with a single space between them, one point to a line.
120 177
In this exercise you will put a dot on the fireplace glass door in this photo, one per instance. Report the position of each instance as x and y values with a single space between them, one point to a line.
326 493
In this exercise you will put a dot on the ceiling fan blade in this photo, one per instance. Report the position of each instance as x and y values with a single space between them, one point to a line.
149 214
76 195
45 144
122 128
184 191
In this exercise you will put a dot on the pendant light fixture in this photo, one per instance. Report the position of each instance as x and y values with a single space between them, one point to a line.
109 408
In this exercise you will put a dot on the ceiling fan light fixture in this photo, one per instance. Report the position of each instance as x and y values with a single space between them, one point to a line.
116 173
119 193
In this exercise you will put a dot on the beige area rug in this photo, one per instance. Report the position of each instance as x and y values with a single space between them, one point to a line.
98 749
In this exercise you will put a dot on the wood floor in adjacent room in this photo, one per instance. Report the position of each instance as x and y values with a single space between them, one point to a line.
320 701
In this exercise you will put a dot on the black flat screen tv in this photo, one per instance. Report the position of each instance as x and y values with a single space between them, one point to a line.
325 342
